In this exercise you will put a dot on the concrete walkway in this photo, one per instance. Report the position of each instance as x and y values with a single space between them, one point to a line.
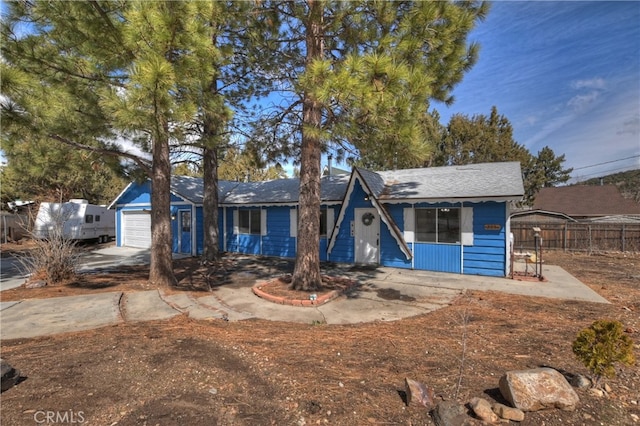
386 294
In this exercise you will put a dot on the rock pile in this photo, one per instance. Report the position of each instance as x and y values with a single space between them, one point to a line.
525 390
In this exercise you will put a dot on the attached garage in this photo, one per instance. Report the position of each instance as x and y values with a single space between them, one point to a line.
136 229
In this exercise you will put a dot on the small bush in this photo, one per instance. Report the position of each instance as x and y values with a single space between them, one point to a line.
55 258
601 345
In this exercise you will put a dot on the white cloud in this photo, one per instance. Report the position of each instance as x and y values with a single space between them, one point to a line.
581 102
531 119
593 83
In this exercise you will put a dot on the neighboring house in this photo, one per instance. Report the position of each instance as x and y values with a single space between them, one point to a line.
16 224
449 219
580 203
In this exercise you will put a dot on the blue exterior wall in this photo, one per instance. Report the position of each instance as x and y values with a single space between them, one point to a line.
138 197
241 243
487 255
278 241
344 247
390 253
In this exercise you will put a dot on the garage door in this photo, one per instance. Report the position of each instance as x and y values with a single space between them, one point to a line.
136 229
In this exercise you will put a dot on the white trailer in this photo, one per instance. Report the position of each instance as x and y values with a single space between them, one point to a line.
75 220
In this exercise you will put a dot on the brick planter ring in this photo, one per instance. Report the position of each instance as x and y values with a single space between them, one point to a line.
321 300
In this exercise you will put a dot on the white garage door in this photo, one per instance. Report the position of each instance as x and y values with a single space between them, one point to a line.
136 229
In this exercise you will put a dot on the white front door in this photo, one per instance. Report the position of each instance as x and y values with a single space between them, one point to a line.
367 235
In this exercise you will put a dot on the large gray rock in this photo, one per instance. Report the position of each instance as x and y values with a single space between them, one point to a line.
449 413
9 375
537 389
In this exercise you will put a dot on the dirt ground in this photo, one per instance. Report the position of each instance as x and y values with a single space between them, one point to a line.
257 372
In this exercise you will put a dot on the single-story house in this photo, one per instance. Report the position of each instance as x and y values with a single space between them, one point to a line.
449 219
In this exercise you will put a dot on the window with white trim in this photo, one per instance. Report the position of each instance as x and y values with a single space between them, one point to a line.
326 222
249 221
437 225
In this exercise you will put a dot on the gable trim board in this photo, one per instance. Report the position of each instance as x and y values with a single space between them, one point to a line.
482 193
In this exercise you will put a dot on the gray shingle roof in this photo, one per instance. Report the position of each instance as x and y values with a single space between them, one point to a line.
265 192
468 181
192 188
374 180
472 181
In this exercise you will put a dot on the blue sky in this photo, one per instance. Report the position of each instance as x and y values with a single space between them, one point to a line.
566 75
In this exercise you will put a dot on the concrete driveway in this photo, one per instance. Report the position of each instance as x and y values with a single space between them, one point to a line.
12 271
385 294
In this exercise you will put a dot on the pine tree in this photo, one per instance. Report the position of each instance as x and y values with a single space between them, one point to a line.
359 76
481 139
40 171
87 73
238 33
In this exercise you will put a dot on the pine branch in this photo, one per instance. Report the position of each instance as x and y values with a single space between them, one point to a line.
143 164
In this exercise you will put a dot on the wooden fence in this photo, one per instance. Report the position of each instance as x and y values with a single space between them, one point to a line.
586 237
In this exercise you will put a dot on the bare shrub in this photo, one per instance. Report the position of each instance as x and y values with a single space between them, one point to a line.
55 257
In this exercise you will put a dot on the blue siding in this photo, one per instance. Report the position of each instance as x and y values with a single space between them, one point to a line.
344 247
487 256
437 257
278 241
390 253
242 243
136 194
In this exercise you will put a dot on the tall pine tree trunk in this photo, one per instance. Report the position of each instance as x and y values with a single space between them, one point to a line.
210 170
306 274
210 197
161 268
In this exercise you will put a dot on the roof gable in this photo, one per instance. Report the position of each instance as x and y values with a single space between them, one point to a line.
370 184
